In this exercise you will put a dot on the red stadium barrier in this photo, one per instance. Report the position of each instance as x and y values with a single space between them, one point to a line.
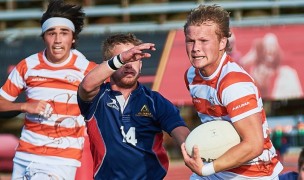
7 151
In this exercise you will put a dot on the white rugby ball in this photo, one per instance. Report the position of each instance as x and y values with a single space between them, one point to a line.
213 139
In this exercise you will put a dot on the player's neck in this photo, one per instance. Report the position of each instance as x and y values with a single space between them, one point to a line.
124 91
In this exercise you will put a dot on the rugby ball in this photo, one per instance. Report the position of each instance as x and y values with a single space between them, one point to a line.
213 139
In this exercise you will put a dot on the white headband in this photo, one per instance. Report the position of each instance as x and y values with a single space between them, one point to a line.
57 21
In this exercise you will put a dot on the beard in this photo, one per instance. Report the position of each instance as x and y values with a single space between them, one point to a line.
125 82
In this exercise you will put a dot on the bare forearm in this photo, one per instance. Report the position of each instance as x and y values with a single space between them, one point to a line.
10 106
237 156
89 87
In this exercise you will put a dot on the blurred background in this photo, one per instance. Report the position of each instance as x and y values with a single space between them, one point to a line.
267 41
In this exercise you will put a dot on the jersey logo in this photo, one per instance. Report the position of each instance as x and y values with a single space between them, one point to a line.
38 78
212 103
240 106
71 79
144 111
113 104
130 136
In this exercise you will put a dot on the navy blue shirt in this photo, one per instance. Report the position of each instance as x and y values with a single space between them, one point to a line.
129 145
291 175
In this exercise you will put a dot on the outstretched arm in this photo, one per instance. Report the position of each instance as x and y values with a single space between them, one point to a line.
89 86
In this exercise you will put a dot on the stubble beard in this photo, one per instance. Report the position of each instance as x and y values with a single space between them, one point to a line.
125 82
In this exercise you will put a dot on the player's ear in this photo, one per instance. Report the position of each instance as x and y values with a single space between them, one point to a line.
223 43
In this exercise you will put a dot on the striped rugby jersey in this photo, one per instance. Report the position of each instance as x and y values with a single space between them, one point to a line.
230 94
58 139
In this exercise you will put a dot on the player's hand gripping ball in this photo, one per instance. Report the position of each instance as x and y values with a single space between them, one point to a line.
213 139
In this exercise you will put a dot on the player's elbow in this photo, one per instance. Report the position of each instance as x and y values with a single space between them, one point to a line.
88 88
85 87
86 92
252 149
257 148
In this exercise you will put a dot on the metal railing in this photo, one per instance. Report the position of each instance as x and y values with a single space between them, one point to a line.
237 7
155 8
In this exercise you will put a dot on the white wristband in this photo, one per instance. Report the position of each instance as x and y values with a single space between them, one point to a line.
117 63
208 169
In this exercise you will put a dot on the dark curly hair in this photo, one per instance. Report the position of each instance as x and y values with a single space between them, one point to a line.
73 12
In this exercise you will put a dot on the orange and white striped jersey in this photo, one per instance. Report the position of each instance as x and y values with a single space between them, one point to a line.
230 94
58 139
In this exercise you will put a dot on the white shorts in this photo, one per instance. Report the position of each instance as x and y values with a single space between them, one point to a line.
24 170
